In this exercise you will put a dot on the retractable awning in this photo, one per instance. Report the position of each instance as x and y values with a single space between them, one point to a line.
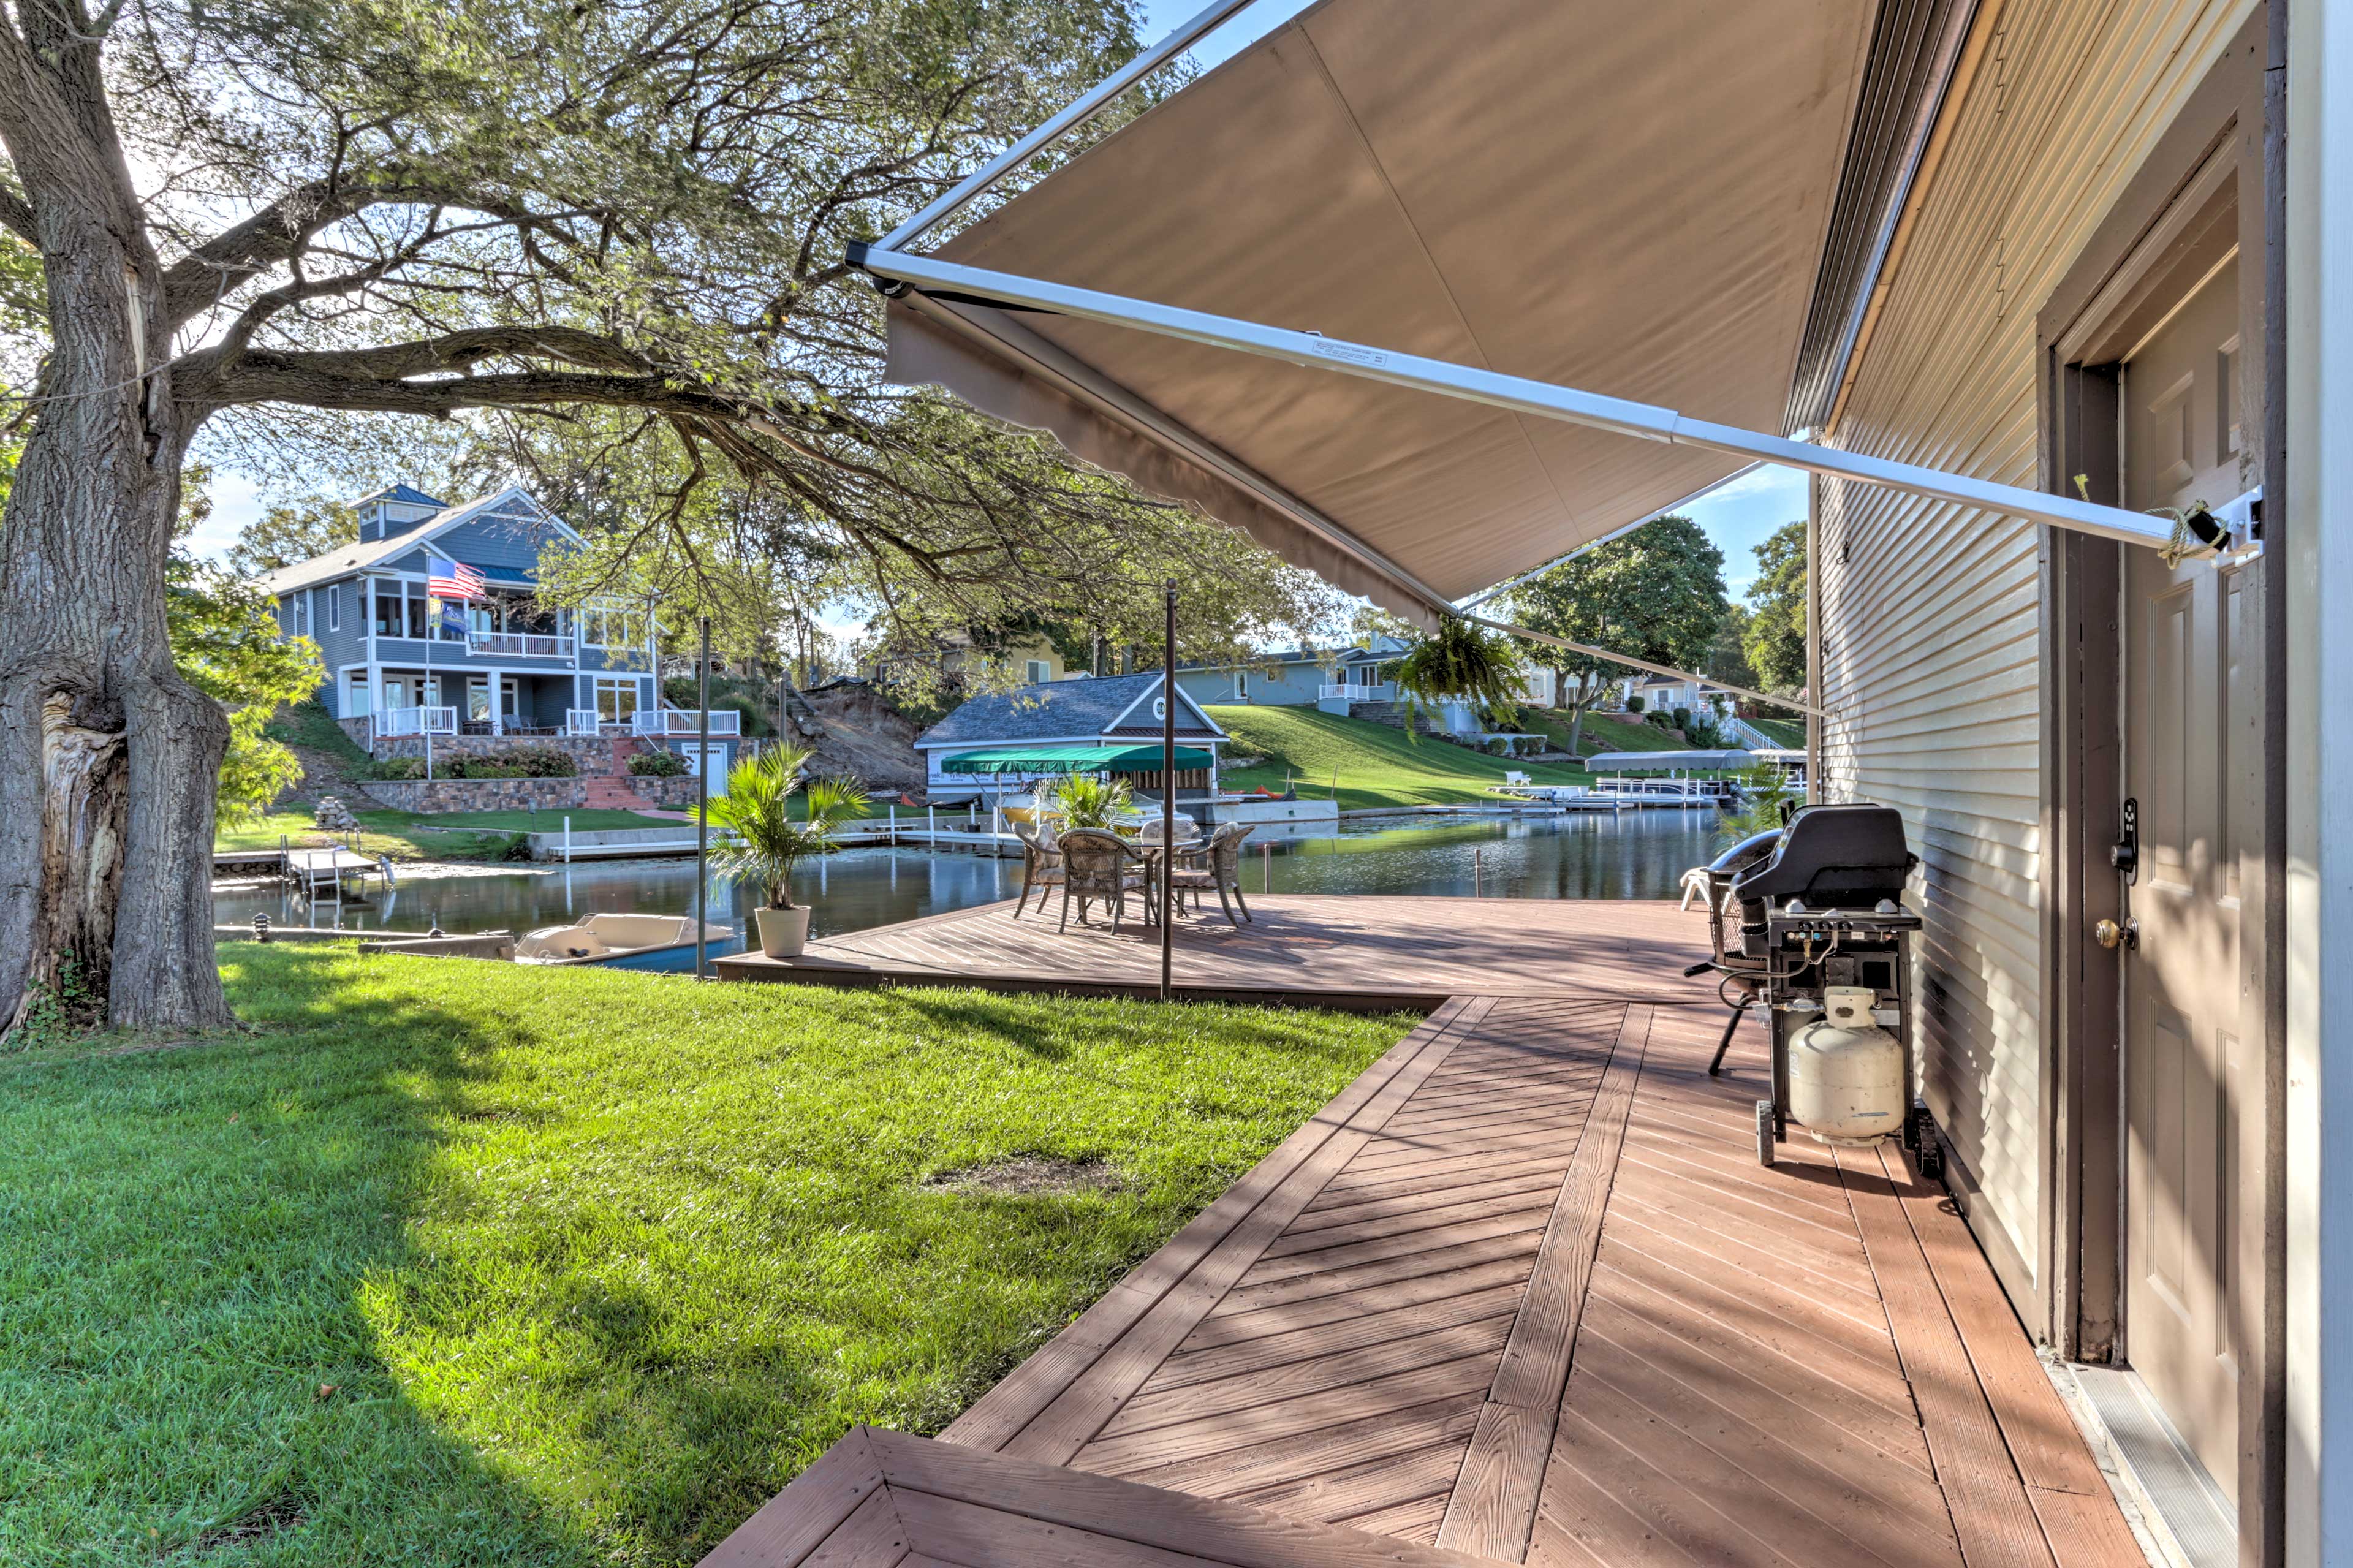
1070 760
1593 229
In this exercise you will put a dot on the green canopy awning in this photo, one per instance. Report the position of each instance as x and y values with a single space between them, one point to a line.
1069 760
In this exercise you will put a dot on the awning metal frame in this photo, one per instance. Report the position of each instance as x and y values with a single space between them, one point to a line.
899 271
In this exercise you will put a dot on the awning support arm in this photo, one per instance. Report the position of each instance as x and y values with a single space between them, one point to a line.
899 270
1667 670
1085 107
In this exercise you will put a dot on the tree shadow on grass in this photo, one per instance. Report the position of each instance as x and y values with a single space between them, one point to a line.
189 1247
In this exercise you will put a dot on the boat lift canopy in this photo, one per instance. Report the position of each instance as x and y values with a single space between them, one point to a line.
1592 231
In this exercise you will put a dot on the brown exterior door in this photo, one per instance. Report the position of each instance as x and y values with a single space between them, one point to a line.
2187 1065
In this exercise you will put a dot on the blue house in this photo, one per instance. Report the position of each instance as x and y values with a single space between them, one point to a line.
1298 678
517 667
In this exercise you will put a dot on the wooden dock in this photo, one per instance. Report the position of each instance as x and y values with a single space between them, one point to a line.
1520 1293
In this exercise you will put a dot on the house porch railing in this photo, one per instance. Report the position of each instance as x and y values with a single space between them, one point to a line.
1352 693
520 644
418 722
685 723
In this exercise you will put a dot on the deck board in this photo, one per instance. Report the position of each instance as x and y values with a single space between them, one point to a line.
1520 1291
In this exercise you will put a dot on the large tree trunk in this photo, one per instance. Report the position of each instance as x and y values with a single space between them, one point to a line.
109 760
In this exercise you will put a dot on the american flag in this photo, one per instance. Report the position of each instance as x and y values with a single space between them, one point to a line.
453 580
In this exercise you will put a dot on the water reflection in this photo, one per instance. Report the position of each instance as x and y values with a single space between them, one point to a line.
1638 854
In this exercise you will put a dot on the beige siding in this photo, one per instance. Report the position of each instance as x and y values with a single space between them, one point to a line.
1931 614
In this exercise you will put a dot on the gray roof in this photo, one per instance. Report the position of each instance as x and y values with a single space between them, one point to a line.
361 554
1056 710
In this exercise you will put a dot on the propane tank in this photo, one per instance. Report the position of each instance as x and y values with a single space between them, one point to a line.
1846 1073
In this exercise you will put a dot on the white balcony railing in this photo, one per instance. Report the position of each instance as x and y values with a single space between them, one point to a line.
520 644
1352 693
418 722
686 724
582 722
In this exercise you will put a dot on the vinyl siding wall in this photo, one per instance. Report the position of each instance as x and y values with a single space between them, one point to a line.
1930 614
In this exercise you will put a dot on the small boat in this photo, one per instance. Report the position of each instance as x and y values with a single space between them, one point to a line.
612 938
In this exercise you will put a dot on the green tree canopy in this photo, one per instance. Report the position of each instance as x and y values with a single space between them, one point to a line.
1657 593
288 535
1775 638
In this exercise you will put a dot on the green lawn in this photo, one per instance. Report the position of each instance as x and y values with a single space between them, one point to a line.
1377 766
1790 733
449 836
462 1263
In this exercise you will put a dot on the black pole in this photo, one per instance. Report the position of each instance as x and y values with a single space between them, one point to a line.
703 806
1167 793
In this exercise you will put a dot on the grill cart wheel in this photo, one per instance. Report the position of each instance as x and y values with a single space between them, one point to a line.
1932 1156
1765 1129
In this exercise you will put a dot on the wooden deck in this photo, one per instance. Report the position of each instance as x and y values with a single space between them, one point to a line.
1521 1294
1319 951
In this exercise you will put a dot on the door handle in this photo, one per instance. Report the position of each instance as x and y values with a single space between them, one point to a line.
2112 934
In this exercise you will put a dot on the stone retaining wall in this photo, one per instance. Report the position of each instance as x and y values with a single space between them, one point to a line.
589 753
427 798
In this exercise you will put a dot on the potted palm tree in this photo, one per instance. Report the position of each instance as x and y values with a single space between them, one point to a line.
767 843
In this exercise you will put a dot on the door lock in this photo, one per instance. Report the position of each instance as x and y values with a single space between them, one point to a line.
2113 934
2125 853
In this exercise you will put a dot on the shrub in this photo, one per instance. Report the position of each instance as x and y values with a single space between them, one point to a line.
1663 720
656 764
1682 718
1634 704
538 762
401 768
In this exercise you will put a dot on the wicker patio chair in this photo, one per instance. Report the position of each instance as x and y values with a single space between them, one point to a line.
1216 867
1097 864
1041 863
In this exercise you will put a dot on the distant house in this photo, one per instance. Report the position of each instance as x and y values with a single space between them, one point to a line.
1298 678
1665 693
1331 681
506 664
1109 724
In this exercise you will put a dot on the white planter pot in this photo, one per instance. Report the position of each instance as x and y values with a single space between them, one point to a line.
783 932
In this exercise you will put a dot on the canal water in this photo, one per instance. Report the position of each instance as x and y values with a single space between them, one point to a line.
1631 854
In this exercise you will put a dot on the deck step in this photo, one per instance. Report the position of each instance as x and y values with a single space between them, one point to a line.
884 1497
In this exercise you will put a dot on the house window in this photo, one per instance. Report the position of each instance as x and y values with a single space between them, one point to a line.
616 700
355 695
335 608
391 620
1040 671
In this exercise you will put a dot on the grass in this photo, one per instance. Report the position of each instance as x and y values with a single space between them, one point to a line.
447 836
310 725
1789 733
1606 732
464 1263
1377 766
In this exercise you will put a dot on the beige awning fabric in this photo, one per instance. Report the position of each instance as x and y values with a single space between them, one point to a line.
1626 196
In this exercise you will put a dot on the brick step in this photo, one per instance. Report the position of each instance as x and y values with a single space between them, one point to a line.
611 794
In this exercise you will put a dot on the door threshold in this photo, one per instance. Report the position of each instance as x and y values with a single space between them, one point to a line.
2175 1507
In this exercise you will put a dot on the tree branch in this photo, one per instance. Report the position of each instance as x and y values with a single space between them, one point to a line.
16 215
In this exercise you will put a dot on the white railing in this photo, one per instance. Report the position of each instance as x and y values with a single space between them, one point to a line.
1352 693
686 724
582 722
418 722
520 644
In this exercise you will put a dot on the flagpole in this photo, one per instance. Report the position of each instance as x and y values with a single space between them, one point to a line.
425 698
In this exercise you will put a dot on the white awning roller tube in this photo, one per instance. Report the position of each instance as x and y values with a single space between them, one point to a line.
897 271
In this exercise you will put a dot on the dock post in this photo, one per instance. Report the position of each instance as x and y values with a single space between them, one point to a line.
931 826
894 825
567 839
